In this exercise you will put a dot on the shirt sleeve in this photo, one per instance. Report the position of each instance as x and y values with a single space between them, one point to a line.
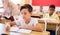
17 22
57 17
35 22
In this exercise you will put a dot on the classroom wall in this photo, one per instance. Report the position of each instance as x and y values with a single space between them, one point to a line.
36 8
1 5
45 8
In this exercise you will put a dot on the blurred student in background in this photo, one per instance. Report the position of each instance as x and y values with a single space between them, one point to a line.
52 14
40 11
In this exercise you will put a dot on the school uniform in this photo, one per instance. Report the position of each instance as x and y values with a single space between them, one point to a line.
21 22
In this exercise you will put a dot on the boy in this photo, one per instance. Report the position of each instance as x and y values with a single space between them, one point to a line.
52 14
25 21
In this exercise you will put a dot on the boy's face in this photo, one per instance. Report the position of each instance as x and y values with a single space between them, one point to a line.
51 10
26 14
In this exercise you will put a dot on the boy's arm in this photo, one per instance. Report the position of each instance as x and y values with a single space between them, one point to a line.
38 27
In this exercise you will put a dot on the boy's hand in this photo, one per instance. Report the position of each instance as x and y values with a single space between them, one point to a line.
7 28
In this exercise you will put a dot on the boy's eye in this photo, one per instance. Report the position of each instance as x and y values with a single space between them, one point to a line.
25 13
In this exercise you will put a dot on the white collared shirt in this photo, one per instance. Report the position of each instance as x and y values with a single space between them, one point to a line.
21 22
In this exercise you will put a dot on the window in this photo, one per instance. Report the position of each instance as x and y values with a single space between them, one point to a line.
16 1
1 6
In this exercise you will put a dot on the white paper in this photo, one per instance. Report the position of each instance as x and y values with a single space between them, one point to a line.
16 29
12 33
2 28
24 31
47 19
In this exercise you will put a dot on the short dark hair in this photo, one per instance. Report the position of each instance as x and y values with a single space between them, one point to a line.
52 6
29 7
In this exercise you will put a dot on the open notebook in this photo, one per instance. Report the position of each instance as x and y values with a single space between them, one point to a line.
13 33
16 29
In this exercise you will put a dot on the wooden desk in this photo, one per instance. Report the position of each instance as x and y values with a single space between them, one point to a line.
51 25
33 33
2 21
37 15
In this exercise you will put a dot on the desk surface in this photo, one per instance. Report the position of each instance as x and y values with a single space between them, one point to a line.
33 33
37 15
50 22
